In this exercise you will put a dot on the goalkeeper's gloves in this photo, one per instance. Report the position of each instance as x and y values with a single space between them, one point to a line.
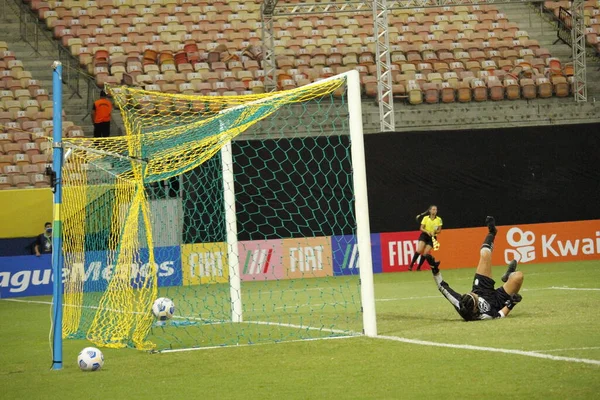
512 302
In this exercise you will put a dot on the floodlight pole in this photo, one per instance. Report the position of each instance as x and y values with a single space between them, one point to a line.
57 258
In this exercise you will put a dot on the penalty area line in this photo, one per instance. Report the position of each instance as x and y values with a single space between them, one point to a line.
489 349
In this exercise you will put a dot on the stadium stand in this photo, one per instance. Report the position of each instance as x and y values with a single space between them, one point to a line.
560 10
443 54
25 126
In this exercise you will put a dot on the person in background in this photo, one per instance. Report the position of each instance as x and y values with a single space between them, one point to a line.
43 243
101 113
431 225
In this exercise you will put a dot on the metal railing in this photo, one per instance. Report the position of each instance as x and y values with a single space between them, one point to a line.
564 27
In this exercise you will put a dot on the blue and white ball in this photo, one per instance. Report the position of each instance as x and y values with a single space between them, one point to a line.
90 359
163 308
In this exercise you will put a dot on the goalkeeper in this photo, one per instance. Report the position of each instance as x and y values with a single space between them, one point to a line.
483 302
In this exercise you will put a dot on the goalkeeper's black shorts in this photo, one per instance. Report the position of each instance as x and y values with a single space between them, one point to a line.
426 238
483 286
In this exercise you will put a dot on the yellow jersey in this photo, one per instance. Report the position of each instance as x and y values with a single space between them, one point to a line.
431 224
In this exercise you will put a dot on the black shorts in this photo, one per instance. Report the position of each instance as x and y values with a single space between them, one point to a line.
426 238
102 129
484 286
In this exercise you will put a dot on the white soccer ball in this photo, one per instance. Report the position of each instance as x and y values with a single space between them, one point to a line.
163 308
90 359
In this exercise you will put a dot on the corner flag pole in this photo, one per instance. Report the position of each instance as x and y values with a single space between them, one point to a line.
57 259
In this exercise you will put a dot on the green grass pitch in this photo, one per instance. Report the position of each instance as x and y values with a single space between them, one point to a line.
551 320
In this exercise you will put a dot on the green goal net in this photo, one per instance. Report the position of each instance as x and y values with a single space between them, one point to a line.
240 209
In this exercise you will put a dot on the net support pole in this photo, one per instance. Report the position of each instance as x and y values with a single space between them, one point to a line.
57 160
361 204
232 240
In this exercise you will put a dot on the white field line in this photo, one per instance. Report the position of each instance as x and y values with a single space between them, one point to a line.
490 349
295 290
573 288
569 349
109 309
534 354
309 328
209 322
258 344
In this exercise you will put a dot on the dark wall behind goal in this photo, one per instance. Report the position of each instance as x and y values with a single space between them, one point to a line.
519 175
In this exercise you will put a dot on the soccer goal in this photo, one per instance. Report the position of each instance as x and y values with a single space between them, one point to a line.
248 212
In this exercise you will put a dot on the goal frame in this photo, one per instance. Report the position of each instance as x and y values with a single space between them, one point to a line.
359 179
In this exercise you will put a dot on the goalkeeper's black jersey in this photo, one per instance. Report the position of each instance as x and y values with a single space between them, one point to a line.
489 302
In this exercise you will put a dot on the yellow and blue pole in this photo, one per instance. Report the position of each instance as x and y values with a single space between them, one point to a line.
57 258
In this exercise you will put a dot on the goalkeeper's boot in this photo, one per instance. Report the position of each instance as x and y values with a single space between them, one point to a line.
512 267
491 224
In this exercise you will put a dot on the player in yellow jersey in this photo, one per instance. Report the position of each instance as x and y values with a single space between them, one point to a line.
431 226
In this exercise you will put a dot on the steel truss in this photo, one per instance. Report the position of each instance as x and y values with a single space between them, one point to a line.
385 96
578 47
268 41
282 9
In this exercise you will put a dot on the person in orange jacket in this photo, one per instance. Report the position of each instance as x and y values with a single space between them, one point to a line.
101 116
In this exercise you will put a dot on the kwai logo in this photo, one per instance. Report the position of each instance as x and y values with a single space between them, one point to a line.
563 241
552 245
523 251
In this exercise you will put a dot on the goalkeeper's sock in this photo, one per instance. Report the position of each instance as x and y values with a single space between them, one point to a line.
421 262
414 260
491 224
512 267
488 242
434 264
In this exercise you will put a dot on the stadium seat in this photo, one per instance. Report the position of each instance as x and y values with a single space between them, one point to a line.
511 89
560 86
4 182
5 138
463 92
479 90
20 181
528 88
495 88
415 95
544 87
432 93
11 148
447 92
